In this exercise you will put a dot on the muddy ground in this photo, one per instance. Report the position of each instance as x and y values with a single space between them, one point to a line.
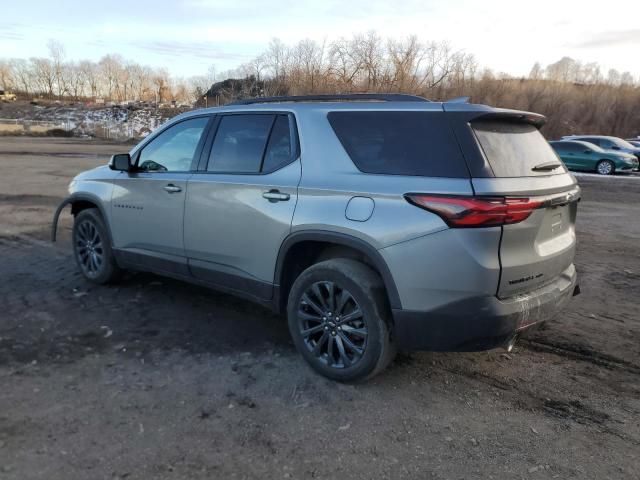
154 378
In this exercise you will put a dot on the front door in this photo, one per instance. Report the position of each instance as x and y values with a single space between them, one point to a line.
148 203
240 206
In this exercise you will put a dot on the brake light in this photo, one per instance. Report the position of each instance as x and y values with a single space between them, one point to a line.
461 212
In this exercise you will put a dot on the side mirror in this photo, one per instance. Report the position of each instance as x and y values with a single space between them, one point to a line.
615 147
120 162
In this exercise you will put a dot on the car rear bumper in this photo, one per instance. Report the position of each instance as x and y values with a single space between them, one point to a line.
482 323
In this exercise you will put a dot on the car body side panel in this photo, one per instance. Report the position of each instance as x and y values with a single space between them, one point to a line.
330 180
94 186
449 266
98 184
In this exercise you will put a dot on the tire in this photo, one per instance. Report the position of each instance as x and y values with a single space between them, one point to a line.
605 167
323 338
92 248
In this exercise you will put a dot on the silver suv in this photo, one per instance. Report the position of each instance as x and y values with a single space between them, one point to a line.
375 222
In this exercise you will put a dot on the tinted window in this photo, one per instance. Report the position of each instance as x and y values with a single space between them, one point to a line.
594 141
400 143
560 146
513 149
173 149
240 143
569 147
278 151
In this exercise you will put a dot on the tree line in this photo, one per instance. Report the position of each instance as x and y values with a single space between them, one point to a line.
575 96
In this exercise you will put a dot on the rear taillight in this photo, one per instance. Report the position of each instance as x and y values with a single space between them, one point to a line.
461 212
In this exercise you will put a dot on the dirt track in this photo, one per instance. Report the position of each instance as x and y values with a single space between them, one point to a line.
159 379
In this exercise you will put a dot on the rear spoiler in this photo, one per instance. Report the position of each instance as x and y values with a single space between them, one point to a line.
470 112
462 115
534 119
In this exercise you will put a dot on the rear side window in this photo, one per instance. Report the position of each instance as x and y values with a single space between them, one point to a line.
239 143
595 141
513 149
278 151
400 143
251 143
568 147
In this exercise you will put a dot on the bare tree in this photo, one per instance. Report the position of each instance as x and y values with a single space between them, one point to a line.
57 54
44 76
7 80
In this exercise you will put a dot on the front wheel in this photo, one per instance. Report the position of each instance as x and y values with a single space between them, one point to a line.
605 167
339 320
92 248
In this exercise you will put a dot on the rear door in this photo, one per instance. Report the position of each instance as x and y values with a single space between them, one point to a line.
520 163
240 203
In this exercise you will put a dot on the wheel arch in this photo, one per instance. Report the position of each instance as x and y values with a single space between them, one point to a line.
608 160
79 202
325 243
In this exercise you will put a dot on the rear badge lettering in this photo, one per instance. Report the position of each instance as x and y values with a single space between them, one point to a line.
526 279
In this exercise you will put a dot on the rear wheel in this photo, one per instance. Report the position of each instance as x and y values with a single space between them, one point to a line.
605 167
339 320
92 248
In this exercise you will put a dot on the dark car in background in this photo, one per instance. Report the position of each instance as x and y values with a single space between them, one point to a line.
607 143
634 141
585 156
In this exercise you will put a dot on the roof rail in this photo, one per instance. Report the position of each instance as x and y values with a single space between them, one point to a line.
349 97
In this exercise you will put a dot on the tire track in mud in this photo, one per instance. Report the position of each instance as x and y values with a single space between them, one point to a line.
528 399
581 353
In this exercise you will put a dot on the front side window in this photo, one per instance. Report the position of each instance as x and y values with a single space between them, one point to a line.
575 147
173 149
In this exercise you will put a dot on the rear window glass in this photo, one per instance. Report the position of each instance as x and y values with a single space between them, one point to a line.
513 149
400 143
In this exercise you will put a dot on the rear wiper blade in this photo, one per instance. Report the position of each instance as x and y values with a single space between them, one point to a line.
546 166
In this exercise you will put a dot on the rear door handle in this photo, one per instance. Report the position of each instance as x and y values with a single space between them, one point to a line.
276 196
171 188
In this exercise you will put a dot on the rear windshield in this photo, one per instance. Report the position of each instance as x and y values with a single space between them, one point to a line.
513 149
400 143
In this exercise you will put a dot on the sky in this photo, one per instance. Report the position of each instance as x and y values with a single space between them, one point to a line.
189 36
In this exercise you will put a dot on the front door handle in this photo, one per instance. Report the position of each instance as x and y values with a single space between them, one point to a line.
276 196
171 188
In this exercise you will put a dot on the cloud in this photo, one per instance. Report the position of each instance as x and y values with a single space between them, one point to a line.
194 49
10 31
610 38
